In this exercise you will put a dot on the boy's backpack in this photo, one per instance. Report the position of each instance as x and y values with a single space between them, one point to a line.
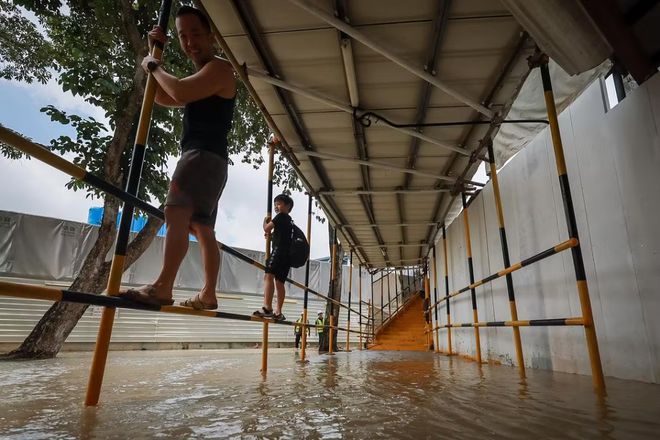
299 248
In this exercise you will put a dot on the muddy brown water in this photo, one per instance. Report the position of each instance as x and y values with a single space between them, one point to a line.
221 394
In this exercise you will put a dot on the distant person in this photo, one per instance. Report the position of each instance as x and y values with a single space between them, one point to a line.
278 265
299 328
207 97
320 329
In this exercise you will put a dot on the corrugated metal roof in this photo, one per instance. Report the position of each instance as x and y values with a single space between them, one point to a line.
475 48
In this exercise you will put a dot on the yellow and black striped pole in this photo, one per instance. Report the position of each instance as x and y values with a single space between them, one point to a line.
446 264
428 317
541 60
389 297
309 240
505 257
360 301
396 289
373 312
269 217
435 299
333 277
468 250
382 302
350 287
97 370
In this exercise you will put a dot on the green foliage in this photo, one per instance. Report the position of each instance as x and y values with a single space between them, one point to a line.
85 45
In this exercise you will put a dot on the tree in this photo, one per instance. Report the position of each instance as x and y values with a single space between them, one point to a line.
94 49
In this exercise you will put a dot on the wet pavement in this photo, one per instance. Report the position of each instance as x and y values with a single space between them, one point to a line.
221 394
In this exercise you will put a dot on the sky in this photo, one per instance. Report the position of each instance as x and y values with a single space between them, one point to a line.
32 187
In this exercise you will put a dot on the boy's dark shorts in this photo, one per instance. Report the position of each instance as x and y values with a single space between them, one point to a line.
198 181
278 265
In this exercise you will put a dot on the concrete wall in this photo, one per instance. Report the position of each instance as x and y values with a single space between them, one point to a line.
613 162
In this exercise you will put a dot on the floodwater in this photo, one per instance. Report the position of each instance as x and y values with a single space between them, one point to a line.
221 394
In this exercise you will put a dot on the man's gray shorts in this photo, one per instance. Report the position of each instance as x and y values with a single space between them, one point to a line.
198 181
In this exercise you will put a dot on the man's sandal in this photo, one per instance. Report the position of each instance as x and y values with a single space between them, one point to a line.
197 304
145 295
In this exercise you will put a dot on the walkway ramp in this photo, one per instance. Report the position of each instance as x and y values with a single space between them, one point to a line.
406 330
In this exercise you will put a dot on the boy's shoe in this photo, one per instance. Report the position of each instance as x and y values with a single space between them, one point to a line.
263 313
277 317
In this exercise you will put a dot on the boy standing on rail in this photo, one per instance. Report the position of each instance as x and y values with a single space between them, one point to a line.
277 266
207 97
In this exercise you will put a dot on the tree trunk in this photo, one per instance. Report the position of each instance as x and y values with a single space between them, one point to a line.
334 290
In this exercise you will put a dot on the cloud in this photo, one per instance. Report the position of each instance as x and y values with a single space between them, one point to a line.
51 93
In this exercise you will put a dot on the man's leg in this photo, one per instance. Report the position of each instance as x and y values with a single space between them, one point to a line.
281 292
177 219
211 261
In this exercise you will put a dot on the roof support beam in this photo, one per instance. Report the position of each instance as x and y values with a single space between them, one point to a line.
382 225
384 245
364 39
338 105
384 166
350 192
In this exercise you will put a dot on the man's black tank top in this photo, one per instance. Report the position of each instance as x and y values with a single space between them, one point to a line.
206 124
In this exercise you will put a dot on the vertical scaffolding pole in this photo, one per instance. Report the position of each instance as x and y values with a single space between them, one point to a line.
333 271
580 274
468 250
435 300
447 305
309 240
396 289
389 298
360 302
350 287
382 303
97 369
269 217
505 257
373 312
428 318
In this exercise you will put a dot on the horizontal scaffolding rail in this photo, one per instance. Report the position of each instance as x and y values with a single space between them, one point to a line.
49 158
571 243
52 294
519 323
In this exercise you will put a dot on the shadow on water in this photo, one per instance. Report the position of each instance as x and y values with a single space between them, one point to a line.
221 394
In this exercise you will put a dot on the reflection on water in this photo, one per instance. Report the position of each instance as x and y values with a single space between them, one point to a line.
220 394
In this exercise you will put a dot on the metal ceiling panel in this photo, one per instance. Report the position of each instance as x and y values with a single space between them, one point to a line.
469 49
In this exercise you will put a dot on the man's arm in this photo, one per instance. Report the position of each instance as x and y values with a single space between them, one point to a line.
166 100
215 77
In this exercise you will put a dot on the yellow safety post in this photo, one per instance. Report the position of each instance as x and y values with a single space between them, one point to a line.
269 214
360 302
505 256
541 60
468 250
117 266
350 287
333 277
427 313
435 300
309 240
446 265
